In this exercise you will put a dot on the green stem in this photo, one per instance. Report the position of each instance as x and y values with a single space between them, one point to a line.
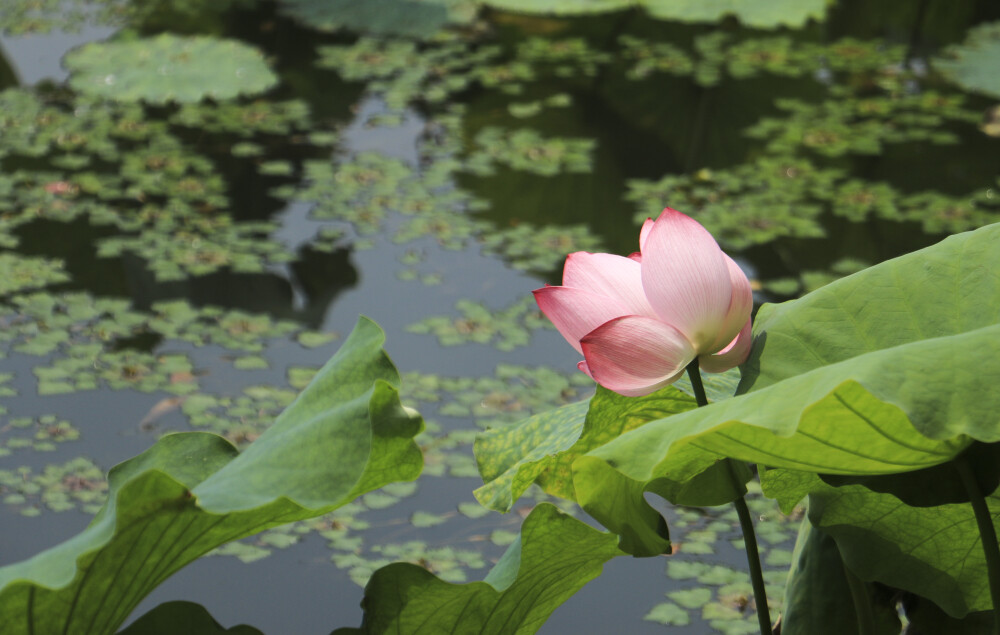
862 601
746 522
987 534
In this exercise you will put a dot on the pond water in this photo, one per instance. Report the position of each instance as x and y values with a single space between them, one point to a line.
182 252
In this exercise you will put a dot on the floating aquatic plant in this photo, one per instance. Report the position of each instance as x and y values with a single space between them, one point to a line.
973 63
169 68
747 205
505 329
526 149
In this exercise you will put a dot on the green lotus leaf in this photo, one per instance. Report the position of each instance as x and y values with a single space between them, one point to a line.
886 371
552 558
975 63
932 552
542 448
189 618
764 15
168 68
346 434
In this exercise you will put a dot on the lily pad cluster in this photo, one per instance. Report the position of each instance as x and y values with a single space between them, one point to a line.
75 484
41 434
746 205
169 201
18 273
852 125
526 149
505 329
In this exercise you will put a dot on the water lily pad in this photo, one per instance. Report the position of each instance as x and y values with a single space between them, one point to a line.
974 64
169 68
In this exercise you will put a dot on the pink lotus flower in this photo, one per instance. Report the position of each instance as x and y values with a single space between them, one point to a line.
639 321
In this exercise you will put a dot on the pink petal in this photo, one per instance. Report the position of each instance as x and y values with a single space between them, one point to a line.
609 275
582 366
644 232
636 256
635 355
686 278
740 306
576 312
732 355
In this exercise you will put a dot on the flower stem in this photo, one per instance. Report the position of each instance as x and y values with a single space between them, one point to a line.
987 534
746 522
862 601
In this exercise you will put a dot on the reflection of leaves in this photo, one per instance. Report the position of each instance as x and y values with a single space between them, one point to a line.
975 64
408 18
169 68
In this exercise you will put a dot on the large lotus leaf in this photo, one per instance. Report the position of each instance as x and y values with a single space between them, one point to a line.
912 394
752 13
975 63
346 434
409 18
934 552
554 556
172 618
543 447
168 68
948 288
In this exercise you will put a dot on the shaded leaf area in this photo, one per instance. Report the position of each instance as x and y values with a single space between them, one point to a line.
170 618
168 68
835 387
817 598
934 552
552 558
974 64
23 17
408 18
345 435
